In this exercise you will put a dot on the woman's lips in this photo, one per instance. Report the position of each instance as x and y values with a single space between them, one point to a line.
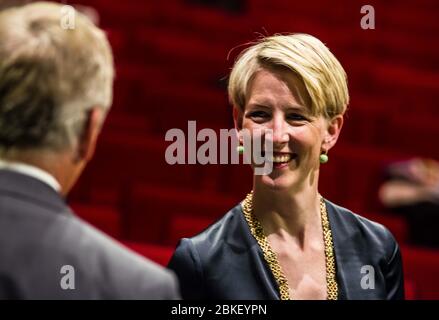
280 165
282 160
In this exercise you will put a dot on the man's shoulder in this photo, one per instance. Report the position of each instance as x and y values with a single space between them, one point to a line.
52 236
103 268
124 273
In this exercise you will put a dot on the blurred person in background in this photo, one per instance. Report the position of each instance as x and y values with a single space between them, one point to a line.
285 240
55 91
412 190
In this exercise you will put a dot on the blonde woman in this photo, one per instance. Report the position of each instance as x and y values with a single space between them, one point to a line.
285 240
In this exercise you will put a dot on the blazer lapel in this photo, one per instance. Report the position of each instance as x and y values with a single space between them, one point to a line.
242 238
345 256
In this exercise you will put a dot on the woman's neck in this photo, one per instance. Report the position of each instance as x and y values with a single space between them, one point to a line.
288 214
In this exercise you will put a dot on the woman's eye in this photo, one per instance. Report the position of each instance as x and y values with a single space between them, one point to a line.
296 117
259 114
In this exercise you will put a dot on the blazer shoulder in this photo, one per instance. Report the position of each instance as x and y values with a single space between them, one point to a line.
373 243
357 226
127 274
194 256
38 226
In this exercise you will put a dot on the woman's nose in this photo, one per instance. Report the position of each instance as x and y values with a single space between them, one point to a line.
279 127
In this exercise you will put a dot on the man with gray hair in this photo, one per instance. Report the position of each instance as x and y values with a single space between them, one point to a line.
55 91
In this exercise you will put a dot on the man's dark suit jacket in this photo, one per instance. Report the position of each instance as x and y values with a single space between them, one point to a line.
226 262
39 235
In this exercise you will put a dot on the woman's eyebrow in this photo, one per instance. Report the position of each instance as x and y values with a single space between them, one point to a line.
295 107
289 107
260 105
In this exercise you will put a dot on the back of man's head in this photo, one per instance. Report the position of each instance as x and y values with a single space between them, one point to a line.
55 67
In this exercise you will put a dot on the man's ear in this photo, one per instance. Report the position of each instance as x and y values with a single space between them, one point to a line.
90 133
332 132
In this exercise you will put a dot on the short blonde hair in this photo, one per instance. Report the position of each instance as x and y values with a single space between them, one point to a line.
322 74
50 76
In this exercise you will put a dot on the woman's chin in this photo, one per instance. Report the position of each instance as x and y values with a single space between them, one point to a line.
278 183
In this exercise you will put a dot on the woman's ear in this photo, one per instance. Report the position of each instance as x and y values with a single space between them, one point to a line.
332 132
237 118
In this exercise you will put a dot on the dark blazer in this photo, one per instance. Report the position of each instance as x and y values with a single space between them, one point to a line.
226 262
39 235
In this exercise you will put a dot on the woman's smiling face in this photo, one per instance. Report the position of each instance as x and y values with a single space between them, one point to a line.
277 100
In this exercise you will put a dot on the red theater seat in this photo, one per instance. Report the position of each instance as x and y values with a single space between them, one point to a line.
172 106
105 218
185 226
123 158
415 137
157 253
149 208
360 172
397 225
128 123
206 59
420 267
209 23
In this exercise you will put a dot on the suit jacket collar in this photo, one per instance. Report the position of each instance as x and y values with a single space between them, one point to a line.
32 171
23 186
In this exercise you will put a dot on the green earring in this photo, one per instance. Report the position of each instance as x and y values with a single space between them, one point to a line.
240 149
324 157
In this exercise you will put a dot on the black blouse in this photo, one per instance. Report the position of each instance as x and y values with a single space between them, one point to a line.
226 262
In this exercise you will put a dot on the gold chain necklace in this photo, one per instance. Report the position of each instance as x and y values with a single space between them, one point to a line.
271 257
